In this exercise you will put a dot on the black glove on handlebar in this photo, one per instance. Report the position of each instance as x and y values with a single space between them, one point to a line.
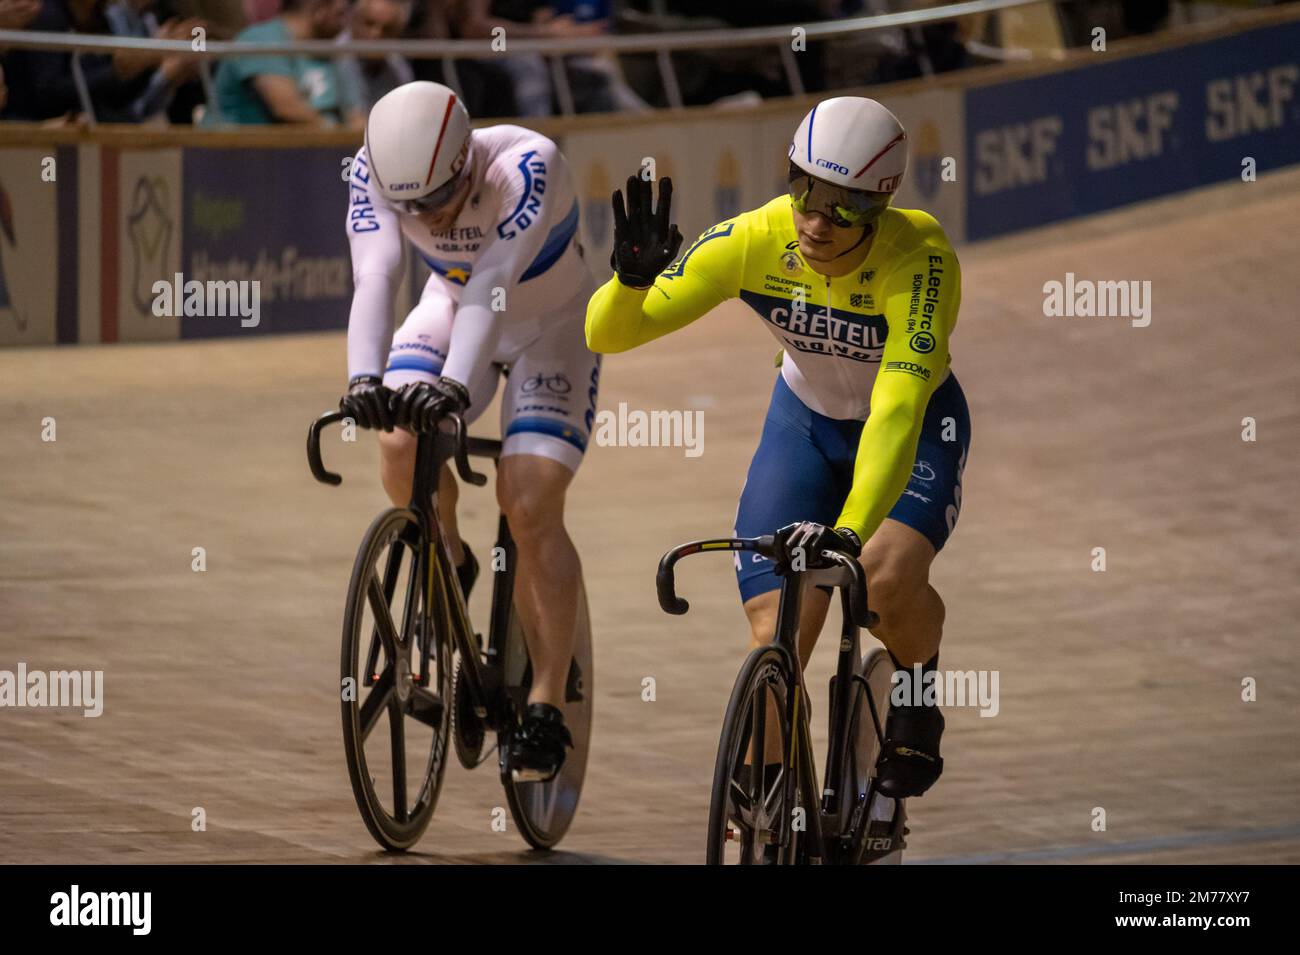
420 405
810 539
369 403
644 241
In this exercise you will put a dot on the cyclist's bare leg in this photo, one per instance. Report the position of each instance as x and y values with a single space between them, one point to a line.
762 610
897 561
762 614
530 490
397 470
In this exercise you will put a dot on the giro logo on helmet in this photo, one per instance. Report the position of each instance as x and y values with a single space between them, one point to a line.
833 166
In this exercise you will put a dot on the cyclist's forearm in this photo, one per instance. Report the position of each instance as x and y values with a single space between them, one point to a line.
475 335
884 464
619 317
370 324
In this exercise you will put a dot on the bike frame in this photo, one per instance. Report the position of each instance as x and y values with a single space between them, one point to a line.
482 681
802 766
822 809
434 569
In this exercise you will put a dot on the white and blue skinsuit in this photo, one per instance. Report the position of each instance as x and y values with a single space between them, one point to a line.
509 290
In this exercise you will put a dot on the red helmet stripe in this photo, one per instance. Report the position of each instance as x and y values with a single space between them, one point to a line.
892 143
446 117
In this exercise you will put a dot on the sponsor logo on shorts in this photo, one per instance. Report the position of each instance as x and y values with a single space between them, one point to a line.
556 384
921 471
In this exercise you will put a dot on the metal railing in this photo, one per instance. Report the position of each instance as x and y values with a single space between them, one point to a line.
553 49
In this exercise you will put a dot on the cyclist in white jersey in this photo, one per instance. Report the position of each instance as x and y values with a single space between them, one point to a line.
493 213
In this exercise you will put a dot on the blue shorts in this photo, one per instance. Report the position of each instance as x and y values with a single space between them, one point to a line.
803 470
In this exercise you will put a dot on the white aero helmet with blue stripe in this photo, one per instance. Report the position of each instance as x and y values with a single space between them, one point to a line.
853 142
417 140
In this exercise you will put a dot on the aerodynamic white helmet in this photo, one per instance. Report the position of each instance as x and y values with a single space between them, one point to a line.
417 138
853 142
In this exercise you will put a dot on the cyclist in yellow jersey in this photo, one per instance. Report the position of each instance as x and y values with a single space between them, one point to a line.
868 430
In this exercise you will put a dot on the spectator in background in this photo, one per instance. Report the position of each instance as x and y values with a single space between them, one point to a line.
259 11
288 89
595 78
138 18
368 79
596 81
40 81
222 18
14 15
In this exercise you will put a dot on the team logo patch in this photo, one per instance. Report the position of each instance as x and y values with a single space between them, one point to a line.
922 342
791 264
867 276
861 300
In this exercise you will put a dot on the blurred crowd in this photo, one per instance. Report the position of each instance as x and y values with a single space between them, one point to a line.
144 87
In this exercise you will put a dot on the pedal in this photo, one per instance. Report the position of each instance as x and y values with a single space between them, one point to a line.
531 776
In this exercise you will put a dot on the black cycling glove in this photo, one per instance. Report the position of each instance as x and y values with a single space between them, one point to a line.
420 405
810 539
369 403
644 241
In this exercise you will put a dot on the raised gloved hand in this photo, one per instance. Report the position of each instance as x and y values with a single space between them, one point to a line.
644 241
420 405
369 403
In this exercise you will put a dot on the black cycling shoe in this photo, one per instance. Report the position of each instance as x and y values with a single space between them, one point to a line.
910 764
467 572
537 747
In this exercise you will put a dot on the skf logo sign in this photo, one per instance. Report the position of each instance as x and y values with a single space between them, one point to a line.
1121 133
1007 157
833 166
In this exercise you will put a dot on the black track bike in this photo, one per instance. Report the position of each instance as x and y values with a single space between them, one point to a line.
766 810
412 660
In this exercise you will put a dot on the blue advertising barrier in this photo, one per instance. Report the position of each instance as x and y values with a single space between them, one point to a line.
1094 138
278 218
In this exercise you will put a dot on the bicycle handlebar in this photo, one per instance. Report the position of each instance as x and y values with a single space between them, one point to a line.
665 583
458 437
313 448
461 439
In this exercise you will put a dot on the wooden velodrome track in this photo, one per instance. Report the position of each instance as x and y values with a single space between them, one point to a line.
1119 690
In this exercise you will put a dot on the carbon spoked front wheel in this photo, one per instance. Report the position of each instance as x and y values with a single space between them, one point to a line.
396 683
543 811
753 794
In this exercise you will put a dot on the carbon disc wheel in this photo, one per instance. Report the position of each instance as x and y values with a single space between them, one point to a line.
543 811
